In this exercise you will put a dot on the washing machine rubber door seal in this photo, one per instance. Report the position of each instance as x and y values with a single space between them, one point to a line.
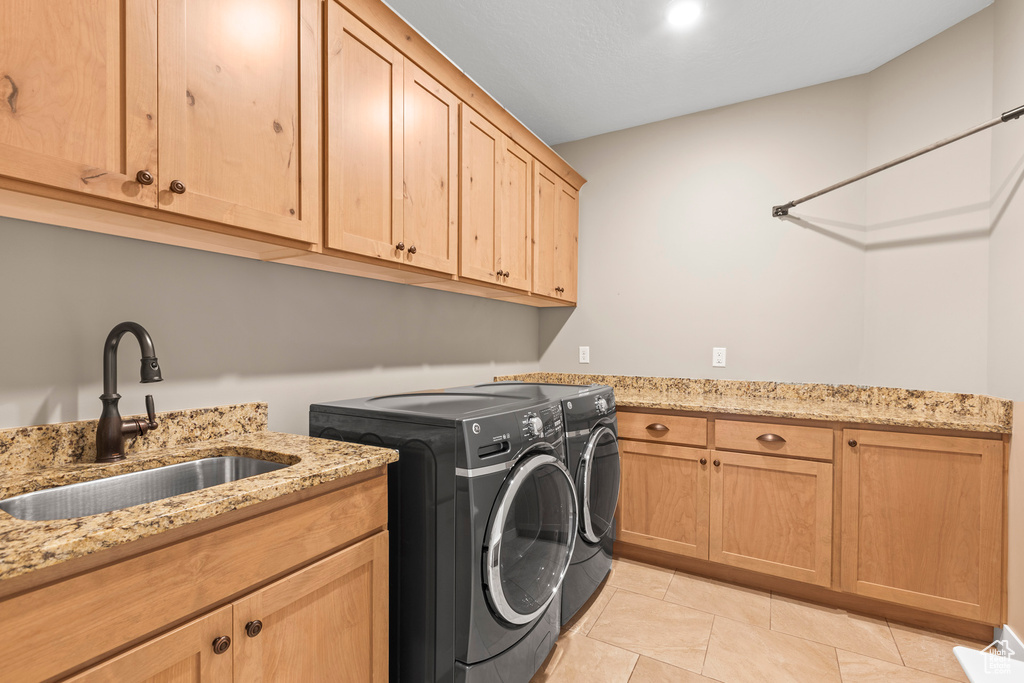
524 471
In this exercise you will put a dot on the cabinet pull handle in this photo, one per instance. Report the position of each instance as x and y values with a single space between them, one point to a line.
412 248
144 178
703 461
718 463
771 438
254 628
177 187
657 427
853 443
221 645
400 246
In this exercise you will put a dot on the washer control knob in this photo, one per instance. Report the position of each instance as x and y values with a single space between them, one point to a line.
602 404
535 425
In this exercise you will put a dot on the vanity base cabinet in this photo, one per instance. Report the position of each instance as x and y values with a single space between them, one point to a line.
772 515
923 521
328 621
185 655
663 498
309 565
904 524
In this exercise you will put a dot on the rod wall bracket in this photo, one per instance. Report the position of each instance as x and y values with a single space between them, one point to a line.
782 210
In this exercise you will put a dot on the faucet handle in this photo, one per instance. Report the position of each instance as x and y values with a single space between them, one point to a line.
150 411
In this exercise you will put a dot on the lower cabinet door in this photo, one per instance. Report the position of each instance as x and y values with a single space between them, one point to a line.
772 515
327 622
185 655
922 521
663 498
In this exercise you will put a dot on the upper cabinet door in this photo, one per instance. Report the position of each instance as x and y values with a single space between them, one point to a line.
239 113
430 214
364 139
515 216
545 227
78 98
479 251
566 237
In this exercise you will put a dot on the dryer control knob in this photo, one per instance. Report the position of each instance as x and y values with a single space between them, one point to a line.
535 425
602 405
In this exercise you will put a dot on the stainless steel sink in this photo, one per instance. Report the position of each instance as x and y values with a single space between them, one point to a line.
135 488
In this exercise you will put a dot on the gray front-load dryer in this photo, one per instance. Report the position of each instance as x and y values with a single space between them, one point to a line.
592 456
482 520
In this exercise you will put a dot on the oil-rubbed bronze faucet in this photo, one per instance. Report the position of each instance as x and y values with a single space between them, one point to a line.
112 430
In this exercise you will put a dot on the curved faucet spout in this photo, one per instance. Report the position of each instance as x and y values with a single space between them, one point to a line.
112 430
150 365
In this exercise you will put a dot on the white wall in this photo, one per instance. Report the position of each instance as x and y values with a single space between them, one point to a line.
926 283
887 281
228 330
679 252
1006 274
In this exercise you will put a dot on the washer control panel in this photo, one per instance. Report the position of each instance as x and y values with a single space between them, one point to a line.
543 423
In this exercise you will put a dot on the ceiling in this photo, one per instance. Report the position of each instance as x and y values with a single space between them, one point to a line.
570 69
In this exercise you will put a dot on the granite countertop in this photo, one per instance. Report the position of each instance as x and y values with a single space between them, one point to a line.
827 402
34 458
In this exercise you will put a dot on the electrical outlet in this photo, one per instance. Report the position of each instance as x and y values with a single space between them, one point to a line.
584 354
718 357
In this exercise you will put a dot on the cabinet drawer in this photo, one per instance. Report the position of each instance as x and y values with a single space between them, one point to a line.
774 439
692 431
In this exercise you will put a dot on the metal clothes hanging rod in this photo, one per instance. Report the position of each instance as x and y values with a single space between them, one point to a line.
783 209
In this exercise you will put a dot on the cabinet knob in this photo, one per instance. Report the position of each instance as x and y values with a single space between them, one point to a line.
853 443
771 438
412 248
221 645
254 628
657 427
400 246
703 461
144 178
501 273
718 463
177 187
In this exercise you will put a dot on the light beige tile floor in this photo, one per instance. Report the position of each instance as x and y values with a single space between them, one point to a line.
653 625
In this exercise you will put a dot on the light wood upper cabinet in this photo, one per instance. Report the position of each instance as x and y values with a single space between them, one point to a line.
772 515
430 215
922 521
497 218
326 622
364 139
480 239
239 113
392 162
663 498
78 95
555 226
515 216
184 655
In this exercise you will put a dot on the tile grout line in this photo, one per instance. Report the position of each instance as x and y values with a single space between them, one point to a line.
704 662
892 635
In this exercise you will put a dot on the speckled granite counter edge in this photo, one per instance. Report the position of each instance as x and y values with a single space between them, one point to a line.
825 402
27 546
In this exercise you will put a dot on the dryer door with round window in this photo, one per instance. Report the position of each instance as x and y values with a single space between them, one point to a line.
597 484
530 538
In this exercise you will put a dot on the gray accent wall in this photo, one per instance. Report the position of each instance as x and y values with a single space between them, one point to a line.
228 329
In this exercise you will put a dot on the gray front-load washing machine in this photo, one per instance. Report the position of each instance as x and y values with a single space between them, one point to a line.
482 520
592 456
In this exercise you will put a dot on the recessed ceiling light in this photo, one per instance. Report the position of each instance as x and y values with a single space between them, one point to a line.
684 13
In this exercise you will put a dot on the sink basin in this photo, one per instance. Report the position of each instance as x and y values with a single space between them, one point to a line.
135 488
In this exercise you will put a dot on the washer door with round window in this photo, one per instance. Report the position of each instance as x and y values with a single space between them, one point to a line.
530 537
597 484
